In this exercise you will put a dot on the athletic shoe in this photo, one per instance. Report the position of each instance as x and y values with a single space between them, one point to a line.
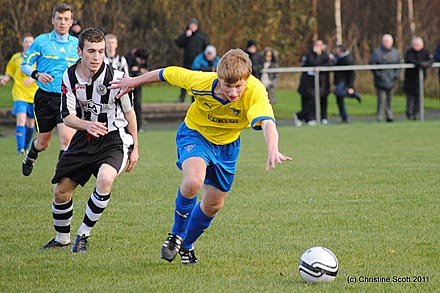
27 165
296 121
188 256
311 123
80 244
54 244
21 152
324 122
171 247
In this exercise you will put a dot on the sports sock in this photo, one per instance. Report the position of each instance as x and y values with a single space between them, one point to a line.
62 217
198 224
33 152
182 214
28 137
20 133
94 209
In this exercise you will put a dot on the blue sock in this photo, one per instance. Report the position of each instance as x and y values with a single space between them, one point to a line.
198 224
182 214
28 137
20 133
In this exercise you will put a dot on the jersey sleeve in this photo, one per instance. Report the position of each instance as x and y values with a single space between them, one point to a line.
11 68
68 99
260 108
180 77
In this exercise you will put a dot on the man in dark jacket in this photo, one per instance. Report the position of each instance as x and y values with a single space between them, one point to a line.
385 79
419 56
256 58
316 56
344 81
193 41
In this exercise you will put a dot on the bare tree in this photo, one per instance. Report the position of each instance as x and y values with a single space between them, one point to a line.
338 21
399 42
412 24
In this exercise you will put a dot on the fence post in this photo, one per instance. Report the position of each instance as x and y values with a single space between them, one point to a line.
317 97
421 94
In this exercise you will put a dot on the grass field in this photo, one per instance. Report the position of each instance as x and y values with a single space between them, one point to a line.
367 191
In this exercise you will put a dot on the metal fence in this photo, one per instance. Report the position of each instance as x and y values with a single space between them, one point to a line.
318 69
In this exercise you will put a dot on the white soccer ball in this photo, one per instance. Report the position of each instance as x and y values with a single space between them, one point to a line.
318 265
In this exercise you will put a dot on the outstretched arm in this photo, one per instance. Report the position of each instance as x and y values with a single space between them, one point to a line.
126 84
271 137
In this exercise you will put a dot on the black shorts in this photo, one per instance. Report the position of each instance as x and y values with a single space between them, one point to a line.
47 110
86 154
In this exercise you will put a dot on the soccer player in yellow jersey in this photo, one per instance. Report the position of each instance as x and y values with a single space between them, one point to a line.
23 93
208 141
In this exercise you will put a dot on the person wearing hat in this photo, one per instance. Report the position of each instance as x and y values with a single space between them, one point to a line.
76 28
256 58
206 61
193 42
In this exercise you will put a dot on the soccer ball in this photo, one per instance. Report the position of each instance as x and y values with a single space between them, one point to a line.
318 265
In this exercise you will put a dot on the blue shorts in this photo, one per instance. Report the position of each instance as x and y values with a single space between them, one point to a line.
221 160
23 107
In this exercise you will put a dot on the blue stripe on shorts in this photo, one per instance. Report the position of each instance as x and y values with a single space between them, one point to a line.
221 160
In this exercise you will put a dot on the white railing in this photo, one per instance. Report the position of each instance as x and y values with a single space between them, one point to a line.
318 69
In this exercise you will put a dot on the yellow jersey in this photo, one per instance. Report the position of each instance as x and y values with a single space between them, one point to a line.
220 121
20 91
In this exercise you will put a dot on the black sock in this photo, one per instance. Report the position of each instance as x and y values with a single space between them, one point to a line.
33 152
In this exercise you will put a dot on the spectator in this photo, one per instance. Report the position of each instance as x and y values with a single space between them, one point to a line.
111 54
206 61
193 41
437 57
52 53
316 56
344 81
256 58
137 61
419 56
385 79
270 80
76 28
23 93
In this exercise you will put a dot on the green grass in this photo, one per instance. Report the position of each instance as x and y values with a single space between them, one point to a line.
288 101
367 191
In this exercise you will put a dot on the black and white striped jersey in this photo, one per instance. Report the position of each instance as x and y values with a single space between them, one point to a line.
92 100
118 62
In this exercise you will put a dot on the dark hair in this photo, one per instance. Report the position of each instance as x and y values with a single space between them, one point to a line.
141 53
60 8
341 47
92 35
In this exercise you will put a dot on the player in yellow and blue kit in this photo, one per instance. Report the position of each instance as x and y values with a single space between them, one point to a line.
23 93
208 141
52 53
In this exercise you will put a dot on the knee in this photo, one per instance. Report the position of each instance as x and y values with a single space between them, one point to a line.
191 186
41 144
212 208
61 196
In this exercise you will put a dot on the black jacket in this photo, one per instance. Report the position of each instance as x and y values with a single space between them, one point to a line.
307 82
192 46
422 59
344 76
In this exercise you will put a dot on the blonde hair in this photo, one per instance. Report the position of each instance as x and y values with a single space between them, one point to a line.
234 66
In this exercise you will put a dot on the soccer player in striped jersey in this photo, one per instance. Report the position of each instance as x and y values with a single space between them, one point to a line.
52 53
104 143
208 141
23 93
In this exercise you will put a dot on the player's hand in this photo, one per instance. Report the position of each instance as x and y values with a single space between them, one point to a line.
132 160
124 83
96 129
45 78
3 82
28 81
275 158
